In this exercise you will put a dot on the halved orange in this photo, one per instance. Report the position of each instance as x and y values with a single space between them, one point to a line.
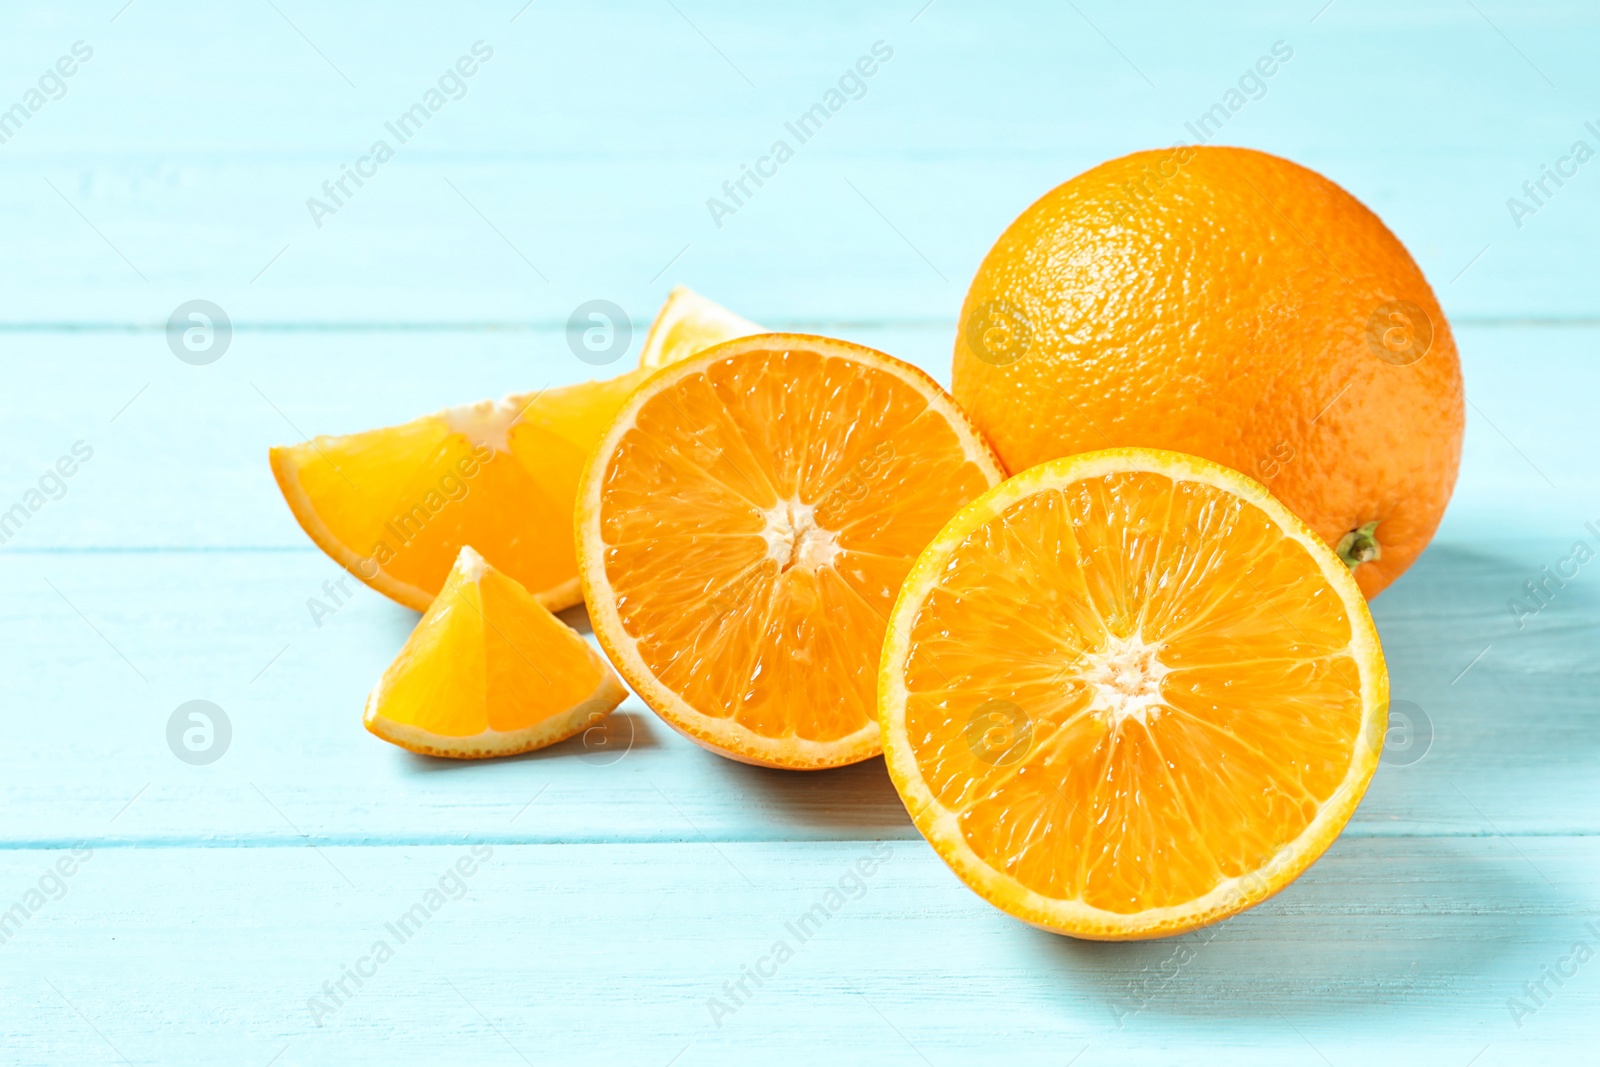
688 323
1128 693
744 525
489 672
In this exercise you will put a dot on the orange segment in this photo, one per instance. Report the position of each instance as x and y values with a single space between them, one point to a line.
1128 693
743 528
489 672
395 505
688 323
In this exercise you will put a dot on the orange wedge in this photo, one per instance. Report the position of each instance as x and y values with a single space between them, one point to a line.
489 672
395 505
744 525
1128 693
688 323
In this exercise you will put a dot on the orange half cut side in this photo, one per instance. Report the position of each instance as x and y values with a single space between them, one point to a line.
1128 693
744 526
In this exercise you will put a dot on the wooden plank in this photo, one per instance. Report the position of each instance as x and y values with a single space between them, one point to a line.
1512 714
170 439
144 186
613 954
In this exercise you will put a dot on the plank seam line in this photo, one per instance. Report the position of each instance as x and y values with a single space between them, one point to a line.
1535 321
294 841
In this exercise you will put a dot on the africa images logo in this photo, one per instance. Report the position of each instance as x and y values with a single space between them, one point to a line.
851 885
852 85
52 85
406 125
452 884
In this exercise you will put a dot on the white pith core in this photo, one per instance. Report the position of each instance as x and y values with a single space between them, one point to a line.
1124 679
470 564
795 540
488 422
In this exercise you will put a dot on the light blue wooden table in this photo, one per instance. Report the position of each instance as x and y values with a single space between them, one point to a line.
189 914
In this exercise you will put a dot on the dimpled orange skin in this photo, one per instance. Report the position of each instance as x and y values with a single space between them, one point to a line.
1234 313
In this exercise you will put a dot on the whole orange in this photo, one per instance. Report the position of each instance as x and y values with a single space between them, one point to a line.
1236 306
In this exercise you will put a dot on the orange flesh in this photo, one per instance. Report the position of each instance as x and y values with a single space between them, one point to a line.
486 656
500 476
688 323
1118 784
758 519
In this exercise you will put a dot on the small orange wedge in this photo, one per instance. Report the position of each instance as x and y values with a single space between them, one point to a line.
688 323
489 672
744 525
1128 693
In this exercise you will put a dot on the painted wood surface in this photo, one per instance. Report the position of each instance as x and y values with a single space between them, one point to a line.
615 953
633 874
